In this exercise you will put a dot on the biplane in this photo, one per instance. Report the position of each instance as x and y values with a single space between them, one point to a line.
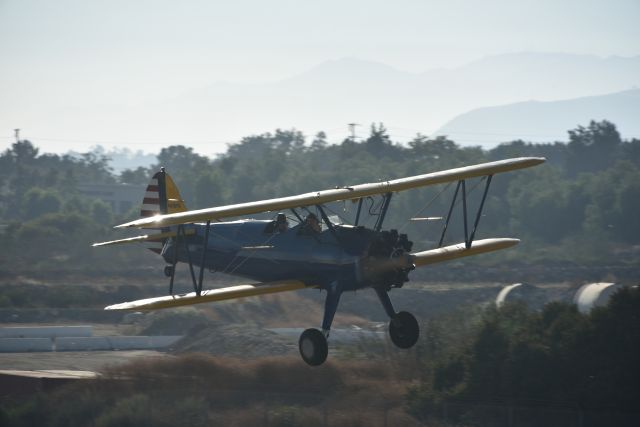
313 251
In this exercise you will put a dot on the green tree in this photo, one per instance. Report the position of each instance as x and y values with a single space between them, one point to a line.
319 142
37 202
209 190
102 213
140 175
592 148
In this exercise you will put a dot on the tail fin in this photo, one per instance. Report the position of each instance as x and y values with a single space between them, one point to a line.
161 197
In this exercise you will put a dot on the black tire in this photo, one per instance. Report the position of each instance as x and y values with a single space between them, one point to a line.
168 270
313 347
404 330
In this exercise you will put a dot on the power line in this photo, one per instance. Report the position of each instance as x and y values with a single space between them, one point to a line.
352 130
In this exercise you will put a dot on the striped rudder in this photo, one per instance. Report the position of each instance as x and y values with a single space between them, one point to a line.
151 201
161 197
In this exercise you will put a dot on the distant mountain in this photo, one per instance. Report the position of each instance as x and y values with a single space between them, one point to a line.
349 90
352 90
545 121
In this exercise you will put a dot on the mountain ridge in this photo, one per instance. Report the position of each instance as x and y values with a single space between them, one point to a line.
621 108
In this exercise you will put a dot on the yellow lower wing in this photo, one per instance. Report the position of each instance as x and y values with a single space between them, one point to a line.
211 295
459 251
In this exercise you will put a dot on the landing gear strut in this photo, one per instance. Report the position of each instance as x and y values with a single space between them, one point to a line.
403 327
313 344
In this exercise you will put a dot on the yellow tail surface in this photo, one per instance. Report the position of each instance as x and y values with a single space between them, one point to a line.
174 200
161 197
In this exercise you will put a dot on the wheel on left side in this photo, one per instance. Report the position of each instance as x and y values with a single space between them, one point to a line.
404 330
313 347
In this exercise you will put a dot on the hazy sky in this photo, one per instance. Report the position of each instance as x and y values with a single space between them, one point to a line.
71 54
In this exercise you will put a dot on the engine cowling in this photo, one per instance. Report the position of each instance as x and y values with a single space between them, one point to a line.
388 261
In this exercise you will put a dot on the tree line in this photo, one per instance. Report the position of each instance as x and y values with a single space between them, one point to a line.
580 206
553 358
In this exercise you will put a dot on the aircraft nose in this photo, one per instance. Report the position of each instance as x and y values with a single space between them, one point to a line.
374 268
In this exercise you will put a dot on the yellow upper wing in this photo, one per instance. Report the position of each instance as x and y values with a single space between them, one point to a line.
346 193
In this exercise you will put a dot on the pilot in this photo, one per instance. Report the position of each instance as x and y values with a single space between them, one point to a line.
282 225
278 225
311 224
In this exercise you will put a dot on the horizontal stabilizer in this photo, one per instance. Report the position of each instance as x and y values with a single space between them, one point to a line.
144 238
210 295
459 251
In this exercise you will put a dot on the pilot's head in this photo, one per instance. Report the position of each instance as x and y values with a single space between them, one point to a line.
312 222
281 223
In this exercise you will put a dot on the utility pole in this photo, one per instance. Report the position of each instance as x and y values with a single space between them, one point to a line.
17 131
352 130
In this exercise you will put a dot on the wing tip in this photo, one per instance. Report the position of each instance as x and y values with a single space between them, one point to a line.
125 225
502 242
539 160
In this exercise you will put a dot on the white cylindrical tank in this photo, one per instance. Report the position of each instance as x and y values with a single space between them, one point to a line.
594 295
502 296
529 294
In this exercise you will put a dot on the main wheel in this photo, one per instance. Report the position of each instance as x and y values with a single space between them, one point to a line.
404 330
313 347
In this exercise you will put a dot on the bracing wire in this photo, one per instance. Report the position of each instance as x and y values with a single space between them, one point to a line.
424 208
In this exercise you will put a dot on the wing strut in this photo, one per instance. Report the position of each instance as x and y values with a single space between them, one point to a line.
468 239
359 210
204 258
182 236
174 263
297 215
330 226
477 221
186 248
383 212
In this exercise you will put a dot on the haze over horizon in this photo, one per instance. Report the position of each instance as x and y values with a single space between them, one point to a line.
134 75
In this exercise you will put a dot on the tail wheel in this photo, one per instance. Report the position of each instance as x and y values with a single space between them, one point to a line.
168 270
313 347
404 330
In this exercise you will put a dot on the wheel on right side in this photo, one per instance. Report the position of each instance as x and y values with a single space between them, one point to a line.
404 330
313 347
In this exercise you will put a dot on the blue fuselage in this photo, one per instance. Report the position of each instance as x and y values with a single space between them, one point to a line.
249 249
